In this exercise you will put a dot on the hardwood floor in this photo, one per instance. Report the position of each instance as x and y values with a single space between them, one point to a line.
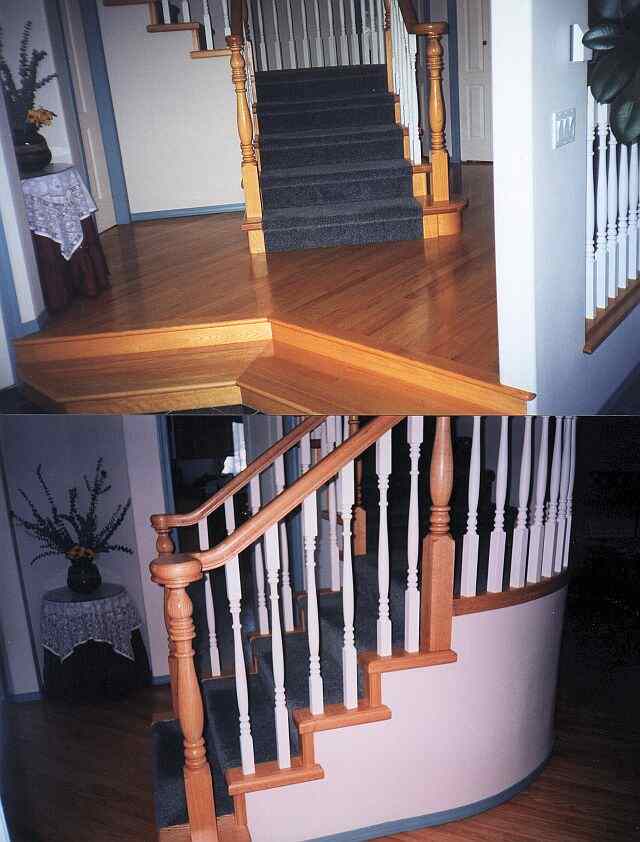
418 313
82 773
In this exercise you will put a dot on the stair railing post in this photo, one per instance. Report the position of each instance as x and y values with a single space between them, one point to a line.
383 469
316 692
551 526
438 548
359 514
349 654
572 476
332 504
437 114
536 529
250 179
415 429
471 539
165 549
287 594
498 538
175 577
521 531
214 653
563 501
258 560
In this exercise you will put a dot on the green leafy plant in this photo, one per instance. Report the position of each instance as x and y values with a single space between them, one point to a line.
74 534
20 97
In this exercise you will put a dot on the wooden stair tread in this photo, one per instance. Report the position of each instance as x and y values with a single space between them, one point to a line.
454 205
223 51
268 776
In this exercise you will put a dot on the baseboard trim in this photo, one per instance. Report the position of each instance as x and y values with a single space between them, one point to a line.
20 698
159 680
173 213
433 819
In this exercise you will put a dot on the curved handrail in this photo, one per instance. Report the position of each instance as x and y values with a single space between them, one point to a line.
294 495
259 464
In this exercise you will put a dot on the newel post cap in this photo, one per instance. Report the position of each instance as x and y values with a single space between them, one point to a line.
176 571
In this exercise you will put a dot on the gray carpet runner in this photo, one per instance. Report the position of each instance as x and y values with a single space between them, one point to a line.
333 171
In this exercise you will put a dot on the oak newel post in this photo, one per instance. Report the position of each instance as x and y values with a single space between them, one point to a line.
438 548
437 117
175 574
165 548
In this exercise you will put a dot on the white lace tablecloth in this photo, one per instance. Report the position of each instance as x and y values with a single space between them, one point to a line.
56 205
68 620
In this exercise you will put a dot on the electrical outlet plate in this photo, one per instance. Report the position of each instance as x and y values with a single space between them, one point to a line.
564 127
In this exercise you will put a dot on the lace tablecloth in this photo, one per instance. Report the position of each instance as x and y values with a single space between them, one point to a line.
68 620
56 205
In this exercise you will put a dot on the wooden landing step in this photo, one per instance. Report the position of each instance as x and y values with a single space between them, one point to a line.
281 369
228 831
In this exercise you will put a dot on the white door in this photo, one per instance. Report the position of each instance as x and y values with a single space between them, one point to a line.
87 113
474 51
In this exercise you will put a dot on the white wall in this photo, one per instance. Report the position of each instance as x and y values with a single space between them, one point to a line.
176 117
459 733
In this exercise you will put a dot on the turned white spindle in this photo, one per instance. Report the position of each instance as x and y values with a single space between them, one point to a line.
214 652
536 530
208 26
256 26
591 210
551 526
471 540
166 11
521 532
287 595
277 44
572 476
375 58
383 469
342 37
305 465
258 560
380 30
291 41
634 197
498 540
353 41
331 35
319 50
601 209
623 217
225 17
612 217
306 38
234 594
334 550
563 500
310 517
272 553
415 430
349 654
364 34
186 11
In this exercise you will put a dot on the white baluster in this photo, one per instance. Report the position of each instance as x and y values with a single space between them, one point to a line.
349 655
225 17
258 561
208 26
310 517
234 593
287 595
601 210
186 12
306 40
383 469
572 476
364 35
551 527
415 428
291 43
319 57
414 122
633 212
344 44
214 653
277 46
355 45
612 217
563 501
333 52
521 532
166 12
623 217
536 530
471 540
375 58
334 550
498 539
257 30
590 233
272 552
380 31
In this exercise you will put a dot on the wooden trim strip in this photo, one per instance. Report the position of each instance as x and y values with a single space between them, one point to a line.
401 660
514 596
291 497
337 716
269 776
414 26
606 321
261 463
173 27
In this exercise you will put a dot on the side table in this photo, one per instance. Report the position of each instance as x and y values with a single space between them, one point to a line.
92 644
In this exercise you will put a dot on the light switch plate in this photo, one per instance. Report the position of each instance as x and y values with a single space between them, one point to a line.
564 127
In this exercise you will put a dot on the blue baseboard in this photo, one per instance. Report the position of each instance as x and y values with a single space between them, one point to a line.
159 680
19 698
433 819
173 213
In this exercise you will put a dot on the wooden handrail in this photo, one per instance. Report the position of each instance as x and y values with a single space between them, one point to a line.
413 24
163 522
293 496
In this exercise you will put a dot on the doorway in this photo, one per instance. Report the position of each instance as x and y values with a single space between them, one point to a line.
474 69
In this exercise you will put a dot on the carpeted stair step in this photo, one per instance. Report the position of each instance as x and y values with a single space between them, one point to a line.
326 114
317 82
331 184
349 223
310 148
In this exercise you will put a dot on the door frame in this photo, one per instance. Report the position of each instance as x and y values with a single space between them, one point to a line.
454 45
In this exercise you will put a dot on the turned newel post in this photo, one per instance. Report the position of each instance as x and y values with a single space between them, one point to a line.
359 514
165 548
437 115
175 574
438 548
388 45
